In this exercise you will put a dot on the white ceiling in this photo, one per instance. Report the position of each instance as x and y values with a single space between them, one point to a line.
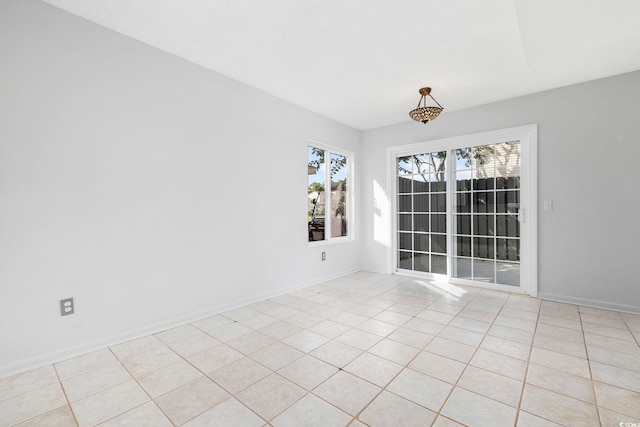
361 62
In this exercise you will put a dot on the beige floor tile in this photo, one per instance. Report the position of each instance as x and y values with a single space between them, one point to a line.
192 399
31 404
329 328
229 331
437 366
214 358
558 408
349 319
451 349
61 417
311 411
516 313
109 403
27 381
421 389
167 378
560 361
612 322
407 309
239 375
560 333
618 377
618 399
258 321
410 337
276 355
150 361
445 308
462 336
472 409
229 413
613 344
424 326
472 313
435 316
377 327
264 306
511 334
282 312
359 339
500 364
615 358
622 334
389 410
194 344
83 385
304 319
347 392
574 324
85 363
374 369
560 345
308 372
280 330
147 415
494 386
336 353
611 418
138 346
471 324
570 385
516 323
393 317
443 421
526 419
250 343
305 341
394 351
172 336
599 312
363 310
271 396
506 347
211 322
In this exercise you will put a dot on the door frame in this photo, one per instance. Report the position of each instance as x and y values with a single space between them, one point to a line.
528 137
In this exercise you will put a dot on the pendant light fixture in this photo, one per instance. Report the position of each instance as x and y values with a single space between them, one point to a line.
424 114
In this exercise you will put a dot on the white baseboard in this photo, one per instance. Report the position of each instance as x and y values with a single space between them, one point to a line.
590 302
78 350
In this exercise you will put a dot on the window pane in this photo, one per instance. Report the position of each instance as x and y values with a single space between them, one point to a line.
422 163
421 203
463 246
421 262
405 165
439 223
438 203
483 225
404 222
421 222
315 193
483 248
462 268
405 260
404 241
420 184
508 249
483 202
404 203
438 264
507 201
439 243
404 184
507 225
421 242
463 224
339 211
508 273
483 271
463 202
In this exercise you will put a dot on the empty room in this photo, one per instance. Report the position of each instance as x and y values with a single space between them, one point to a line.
170 254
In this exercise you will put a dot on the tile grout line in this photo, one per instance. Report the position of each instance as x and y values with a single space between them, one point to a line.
592 381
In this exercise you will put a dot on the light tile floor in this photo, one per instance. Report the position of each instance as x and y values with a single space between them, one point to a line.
361 350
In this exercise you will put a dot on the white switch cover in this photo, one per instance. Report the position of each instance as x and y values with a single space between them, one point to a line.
548 205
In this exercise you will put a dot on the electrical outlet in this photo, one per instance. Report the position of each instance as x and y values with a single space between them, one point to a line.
66 307
324 256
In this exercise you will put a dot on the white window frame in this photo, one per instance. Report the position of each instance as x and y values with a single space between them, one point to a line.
329 149
528 137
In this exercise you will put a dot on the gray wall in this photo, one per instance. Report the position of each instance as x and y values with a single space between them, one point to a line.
588 154
151 190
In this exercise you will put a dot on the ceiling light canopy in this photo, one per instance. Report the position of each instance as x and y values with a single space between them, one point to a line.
424 114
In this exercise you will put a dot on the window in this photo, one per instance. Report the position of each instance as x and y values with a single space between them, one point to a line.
328 212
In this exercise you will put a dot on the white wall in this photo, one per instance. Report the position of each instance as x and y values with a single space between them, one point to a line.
588 156
151 190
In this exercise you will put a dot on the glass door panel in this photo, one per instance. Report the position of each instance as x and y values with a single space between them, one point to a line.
485 226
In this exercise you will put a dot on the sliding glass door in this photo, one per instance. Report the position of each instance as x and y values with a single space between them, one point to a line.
459 212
